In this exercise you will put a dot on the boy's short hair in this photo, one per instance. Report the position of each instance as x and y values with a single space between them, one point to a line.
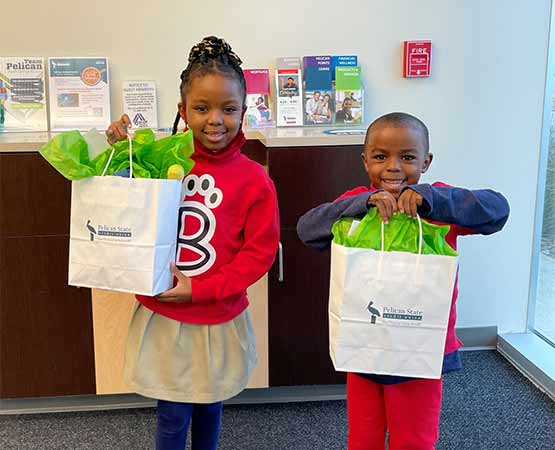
401 119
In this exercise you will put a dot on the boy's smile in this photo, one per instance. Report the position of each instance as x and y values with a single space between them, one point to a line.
395 156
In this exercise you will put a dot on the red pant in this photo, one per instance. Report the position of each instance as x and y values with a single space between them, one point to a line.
409 411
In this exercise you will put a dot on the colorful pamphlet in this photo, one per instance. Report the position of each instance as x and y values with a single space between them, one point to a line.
140 103
349 95
259 108
288 62
319 105
289 92
22 94
342 60
79 94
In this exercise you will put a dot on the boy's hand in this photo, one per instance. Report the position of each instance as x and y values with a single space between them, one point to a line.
386 204
408 202
181 293
117 131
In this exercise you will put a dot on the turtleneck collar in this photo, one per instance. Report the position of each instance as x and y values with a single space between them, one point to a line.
231 150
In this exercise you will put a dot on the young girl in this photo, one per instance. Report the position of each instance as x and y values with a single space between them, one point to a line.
193 346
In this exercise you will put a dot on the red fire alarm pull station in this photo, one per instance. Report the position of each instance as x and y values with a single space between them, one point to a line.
417 59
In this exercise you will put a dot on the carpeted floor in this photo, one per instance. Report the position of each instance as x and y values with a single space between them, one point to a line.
487 406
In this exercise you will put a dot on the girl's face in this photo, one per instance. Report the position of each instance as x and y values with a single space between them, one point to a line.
213 109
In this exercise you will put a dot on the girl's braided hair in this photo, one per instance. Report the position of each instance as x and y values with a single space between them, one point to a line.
211 55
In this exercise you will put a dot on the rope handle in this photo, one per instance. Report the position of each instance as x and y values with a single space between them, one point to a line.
130 140
417 265
419 235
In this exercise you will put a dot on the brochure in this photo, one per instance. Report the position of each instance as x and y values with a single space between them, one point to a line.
259 105
289 94
79 93
342 60
288 62
22 94
319 104
349 95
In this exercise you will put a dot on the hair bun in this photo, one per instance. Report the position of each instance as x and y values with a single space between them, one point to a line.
212 47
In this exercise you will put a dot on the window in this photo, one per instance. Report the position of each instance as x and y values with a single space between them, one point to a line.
543 318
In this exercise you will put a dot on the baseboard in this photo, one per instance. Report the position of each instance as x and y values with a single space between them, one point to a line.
474 338
478 338
533 357
126 401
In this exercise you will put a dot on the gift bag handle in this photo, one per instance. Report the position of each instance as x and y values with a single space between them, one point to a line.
419 235
130 140
417 265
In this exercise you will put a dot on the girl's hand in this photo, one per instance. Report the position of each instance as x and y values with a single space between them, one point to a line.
181 293
117 131
408 202
386 204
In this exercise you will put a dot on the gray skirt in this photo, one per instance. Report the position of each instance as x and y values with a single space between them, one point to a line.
182 362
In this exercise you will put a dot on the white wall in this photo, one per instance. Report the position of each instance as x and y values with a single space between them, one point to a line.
483 103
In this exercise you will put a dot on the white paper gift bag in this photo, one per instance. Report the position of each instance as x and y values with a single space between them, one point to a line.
388 311
123 233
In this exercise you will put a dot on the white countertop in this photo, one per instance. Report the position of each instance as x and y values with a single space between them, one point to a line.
308 136
270 137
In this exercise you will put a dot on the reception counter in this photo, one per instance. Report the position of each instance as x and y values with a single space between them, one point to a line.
57 340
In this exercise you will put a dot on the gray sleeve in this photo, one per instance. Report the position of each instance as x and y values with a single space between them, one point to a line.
482 211
314 227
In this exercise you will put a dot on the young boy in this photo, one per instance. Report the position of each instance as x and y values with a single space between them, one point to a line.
396 153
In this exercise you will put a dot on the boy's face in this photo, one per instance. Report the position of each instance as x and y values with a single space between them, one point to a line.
394 157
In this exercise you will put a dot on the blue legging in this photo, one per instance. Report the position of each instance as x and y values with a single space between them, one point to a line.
173 423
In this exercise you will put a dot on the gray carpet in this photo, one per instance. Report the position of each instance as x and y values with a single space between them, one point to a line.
487 406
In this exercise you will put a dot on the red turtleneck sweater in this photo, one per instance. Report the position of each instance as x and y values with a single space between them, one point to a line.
227 236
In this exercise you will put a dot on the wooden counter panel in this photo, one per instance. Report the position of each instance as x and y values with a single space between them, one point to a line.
111 316
34 197
306 177
112 312
46 342
298 317
256 151
46 328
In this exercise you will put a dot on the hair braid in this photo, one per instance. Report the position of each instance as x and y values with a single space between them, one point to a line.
211 55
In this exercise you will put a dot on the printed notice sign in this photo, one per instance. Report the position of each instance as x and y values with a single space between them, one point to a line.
79 94
140 103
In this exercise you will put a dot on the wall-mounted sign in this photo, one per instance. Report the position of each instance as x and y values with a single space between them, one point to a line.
417 59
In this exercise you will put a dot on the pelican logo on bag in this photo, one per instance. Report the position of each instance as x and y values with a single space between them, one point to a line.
389 312
374 312
109 233
92 230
